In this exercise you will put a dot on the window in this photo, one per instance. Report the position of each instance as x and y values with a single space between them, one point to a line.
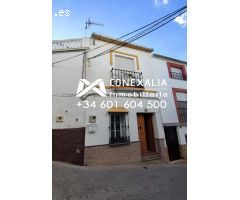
177 71
124 73
118 128
124 63
182 106
180 98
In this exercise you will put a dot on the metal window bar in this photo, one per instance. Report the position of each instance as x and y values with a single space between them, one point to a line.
118 128
182 111
176 75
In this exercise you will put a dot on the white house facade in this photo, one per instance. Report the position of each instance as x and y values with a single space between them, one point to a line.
135 112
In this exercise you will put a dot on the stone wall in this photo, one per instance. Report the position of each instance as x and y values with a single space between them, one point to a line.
161 148
183 151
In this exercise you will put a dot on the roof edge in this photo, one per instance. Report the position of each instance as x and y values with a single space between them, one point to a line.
169 58
116 41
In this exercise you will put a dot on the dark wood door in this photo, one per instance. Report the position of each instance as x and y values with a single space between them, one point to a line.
149 132
142 133
172 142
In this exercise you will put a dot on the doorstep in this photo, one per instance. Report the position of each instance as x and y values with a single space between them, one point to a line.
151 156
177 161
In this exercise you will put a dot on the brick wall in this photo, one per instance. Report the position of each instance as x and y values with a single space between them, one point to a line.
113 155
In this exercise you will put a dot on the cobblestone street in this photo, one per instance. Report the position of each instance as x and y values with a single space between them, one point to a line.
141 182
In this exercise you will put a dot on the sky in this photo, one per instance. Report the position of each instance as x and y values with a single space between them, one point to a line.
120 17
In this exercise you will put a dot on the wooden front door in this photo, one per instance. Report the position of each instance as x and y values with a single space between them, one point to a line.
142 133
172 142
149 132
145 132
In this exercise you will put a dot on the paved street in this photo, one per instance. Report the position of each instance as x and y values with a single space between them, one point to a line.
140 182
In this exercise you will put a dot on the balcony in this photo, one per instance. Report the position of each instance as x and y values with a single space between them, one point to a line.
125 78
176 75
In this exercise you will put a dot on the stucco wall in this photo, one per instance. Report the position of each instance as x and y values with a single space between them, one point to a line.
66 77
159 66
182 131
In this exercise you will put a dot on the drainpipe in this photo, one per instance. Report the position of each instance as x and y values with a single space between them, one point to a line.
84 65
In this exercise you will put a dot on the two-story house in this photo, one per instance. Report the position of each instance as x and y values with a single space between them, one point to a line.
143 113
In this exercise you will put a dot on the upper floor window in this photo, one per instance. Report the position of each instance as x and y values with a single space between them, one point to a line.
124 63
125 70
177 71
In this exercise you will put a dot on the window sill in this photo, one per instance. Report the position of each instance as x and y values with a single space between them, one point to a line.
180 124
178 79
119 144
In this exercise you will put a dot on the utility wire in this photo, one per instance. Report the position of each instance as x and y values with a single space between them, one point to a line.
137 36
117 40
127 41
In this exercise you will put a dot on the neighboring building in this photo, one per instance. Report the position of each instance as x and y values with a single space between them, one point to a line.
120 134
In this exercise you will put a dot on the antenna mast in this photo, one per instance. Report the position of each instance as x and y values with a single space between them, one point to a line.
89 23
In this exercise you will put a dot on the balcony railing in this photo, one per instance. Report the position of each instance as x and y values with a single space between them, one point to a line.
176 75
126 78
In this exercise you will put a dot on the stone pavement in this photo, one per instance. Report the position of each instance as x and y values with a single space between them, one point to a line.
127 182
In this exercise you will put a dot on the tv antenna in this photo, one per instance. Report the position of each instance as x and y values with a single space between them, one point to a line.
89 23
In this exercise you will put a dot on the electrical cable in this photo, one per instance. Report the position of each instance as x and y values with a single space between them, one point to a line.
135 37
117 40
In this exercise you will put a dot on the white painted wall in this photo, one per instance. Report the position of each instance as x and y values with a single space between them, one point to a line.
182 131
66 76
102 134
160 69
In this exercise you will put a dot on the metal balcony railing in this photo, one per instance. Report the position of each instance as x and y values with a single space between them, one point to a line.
176 75
126 78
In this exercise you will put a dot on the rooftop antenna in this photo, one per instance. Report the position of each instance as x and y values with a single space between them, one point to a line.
89 23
